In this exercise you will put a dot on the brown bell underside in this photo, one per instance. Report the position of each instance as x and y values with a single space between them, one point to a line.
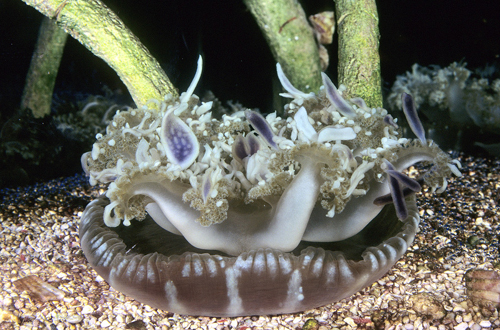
160 269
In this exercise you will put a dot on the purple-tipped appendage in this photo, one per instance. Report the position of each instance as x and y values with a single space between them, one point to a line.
398 198
245 146
359 102
388 120
387 199
260 124
287 85
404 180
253 144
180 143
397 181
337 100
411 115
207 185
239 150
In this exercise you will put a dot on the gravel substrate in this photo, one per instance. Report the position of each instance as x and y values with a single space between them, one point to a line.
425 290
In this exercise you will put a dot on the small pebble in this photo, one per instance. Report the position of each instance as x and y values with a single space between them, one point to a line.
7 302
350 321
19 304
87 309
6 316
74 319
475 326
461 326
485 324
311 324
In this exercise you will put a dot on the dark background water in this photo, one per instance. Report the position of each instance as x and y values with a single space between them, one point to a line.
237 62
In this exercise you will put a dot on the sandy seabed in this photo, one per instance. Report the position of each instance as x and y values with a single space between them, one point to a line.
460 230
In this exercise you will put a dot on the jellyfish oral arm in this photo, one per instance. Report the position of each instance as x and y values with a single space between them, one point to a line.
280 227
295 207
349 222
360 210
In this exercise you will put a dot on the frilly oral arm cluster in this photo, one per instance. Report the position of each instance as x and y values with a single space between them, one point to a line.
321 173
